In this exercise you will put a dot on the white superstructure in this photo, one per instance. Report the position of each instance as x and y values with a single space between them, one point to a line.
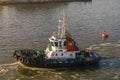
61 45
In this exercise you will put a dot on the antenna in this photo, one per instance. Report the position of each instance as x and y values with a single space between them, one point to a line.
61 24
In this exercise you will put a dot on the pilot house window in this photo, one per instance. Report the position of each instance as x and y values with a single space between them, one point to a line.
64 43
60 44
56 44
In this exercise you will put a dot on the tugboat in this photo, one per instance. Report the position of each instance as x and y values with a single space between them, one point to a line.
62 51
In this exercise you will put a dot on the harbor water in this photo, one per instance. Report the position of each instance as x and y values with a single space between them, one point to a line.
28 26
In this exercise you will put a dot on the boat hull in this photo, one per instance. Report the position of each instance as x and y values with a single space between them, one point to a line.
31 58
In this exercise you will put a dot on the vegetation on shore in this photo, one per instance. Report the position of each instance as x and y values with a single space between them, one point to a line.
34 1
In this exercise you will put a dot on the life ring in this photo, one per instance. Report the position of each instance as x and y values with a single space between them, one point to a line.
21 59
26 61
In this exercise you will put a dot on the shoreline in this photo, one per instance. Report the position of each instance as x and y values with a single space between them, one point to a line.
37 1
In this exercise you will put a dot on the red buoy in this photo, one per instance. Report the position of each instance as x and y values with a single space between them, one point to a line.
104 35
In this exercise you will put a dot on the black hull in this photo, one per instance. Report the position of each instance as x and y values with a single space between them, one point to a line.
60 65
30 58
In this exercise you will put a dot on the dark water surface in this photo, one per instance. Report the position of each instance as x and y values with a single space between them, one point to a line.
28 26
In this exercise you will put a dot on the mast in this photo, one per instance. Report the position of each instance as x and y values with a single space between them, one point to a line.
61 25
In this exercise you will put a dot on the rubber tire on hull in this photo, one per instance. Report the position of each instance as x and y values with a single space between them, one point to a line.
26 61
15 58
21 59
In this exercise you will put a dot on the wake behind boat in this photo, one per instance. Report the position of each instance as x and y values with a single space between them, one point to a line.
62 51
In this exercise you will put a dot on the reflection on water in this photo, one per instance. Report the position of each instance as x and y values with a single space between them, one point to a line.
5 16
